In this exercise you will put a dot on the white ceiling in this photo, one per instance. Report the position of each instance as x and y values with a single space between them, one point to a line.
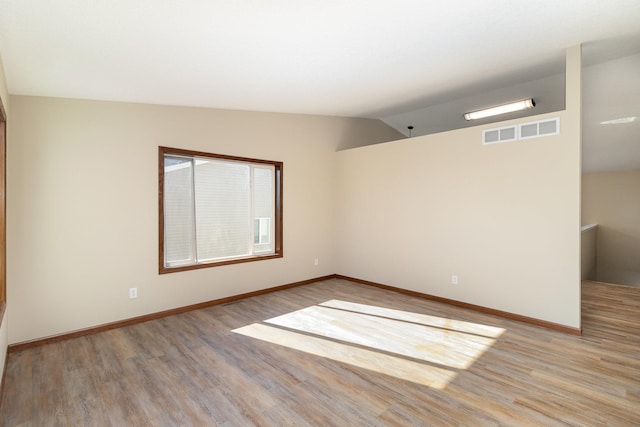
363 58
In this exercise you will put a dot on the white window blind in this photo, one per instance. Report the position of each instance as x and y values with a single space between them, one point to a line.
216 209
179 231
223 202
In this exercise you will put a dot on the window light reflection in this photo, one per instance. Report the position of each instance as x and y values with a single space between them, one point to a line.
404 369
412 346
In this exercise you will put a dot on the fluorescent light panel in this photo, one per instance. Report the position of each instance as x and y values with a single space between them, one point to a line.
501 109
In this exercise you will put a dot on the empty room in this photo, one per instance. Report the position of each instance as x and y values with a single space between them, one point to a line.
287 213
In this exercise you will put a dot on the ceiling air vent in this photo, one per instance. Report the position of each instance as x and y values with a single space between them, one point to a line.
494 136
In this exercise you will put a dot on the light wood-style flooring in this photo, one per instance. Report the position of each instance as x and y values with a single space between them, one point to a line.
335 353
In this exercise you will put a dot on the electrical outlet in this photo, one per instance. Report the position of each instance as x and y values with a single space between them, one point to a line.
454 280
315 262
133 293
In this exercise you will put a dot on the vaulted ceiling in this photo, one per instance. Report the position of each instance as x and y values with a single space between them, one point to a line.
362 58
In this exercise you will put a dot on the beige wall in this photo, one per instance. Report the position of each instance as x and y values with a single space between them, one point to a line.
504 218
612 200
4 335
83 220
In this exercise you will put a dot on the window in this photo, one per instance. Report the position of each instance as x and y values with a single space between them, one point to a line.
262 231
217 210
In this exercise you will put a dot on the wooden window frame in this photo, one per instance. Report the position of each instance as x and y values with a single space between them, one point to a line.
278 222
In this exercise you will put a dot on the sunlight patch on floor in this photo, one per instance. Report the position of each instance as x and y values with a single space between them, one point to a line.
404 369
423 319
425 349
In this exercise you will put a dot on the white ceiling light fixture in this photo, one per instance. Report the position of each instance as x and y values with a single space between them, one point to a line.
501 109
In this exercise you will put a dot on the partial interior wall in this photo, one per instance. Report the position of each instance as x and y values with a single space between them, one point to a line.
588 251
612 200
503 218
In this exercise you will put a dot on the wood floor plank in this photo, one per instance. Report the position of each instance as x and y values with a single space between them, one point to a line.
335 353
